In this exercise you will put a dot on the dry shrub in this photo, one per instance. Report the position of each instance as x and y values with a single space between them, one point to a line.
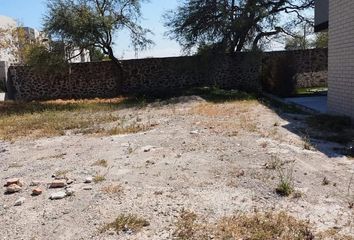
128 222
99 178
225 109
113 189
187 227
257 226
101 163
267 226
54 118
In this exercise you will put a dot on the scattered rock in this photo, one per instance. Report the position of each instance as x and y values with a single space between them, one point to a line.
57 184
37 191
87 188
20 201
12 181
13 188
194 132
147 148
70 181
70 191
57 195
88 180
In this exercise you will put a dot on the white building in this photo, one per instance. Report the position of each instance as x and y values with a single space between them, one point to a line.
7 25
338 17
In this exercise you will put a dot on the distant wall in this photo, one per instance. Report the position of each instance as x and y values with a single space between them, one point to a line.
148 76
142 76
285 71
3 75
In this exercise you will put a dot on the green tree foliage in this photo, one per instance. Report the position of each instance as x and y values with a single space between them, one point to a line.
233 25
321 40
96 54
94 23
46 59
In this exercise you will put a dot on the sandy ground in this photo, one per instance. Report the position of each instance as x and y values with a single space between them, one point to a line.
202 157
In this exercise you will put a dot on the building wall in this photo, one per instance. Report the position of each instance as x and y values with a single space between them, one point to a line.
6 26
341 58
321 14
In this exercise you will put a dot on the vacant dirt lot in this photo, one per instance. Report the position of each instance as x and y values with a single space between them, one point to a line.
211 159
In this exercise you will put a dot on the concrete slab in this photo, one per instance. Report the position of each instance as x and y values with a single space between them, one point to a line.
316 103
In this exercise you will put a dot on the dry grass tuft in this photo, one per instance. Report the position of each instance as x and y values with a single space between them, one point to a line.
113 189
128 222
101 163
54 118
61 173
99 178
132 128
267 226
187 227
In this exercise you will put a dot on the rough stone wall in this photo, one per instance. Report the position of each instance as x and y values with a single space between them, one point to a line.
84 81
310 66
341 57
3 74
145 76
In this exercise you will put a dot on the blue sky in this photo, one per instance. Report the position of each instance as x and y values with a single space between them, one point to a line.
30 13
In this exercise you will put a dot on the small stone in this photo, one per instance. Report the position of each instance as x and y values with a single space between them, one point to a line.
70 181
148 148
69 191
20 201
57 184
13 188
87 188
12 181
57 195
194 132
37 191
88 180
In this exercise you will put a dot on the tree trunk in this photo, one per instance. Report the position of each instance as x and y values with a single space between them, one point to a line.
118 70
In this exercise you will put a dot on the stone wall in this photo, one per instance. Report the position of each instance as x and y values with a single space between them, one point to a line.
149 76
284 72
310 66
3 74
142 76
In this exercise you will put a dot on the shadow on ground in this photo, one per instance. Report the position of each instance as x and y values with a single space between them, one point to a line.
331 135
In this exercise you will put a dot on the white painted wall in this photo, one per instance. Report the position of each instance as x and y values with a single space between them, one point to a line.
341 57
7 24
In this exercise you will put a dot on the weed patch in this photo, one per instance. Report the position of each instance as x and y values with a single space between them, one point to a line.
257 226
128 222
